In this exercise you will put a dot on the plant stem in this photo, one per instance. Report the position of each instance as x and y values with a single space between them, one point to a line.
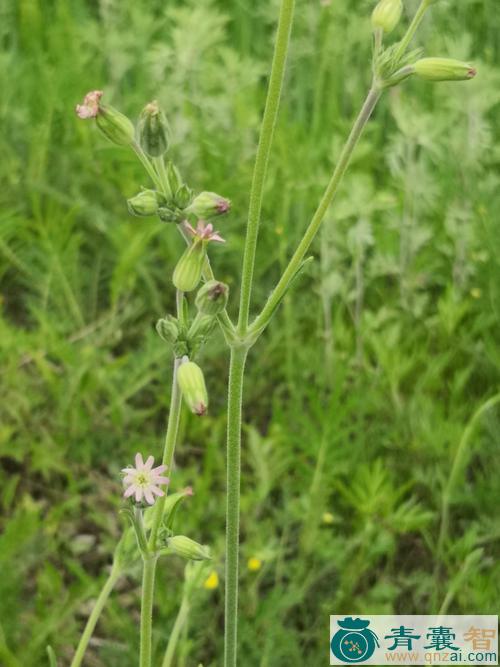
109 584
294 264
412 29
148 582
457 466
147 165
234 408
176 631
262 157
168 449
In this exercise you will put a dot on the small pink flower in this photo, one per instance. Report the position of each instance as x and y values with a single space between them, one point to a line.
204 232
90 106
144 480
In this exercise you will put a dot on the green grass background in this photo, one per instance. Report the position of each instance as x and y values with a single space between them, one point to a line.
357 397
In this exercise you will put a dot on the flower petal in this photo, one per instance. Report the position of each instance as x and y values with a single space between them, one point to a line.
149 463
129 491
160 480
139 463
149 496
157 491
159 469
138 494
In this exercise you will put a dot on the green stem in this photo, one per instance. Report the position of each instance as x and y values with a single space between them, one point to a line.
262 157
277 294
457 466
412 29
234 409
180 621
168 450
147 165
159 164
148 582
109 584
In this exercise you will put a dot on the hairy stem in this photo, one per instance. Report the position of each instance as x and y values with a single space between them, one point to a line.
109 584
148 582
234 409
294 264
262 157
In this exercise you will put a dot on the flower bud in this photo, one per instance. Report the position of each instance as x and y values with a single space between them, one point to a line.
168 329
386 15
444 69
183 196
145 203
188 548
153 130
192 384
202 326
174 177
117 127
187 273
208 205
169 214
212 297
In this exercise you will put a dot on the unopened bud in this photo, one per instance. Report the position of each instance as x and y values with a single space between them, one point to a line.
188 548
212 297
183 196
209 205
168 329
117 127
145 203
386 15
444 69
174 177
203 326
169 214
187 273
153 130
192 384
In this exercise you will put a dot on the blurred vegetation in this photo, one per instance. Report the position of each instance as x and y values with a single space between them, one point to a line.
357 398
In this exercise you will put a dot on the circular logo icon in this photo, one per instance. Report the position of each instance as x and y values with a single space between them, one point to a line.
354 642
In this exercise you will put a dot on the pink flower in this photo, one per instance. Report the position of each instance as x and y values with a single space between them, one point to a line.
144 480
90 106
204 232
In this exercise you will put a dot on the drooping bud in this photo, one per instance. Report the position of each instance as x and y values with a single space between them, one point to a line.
386 15
146 203
153 130
209 205
168 329
117 127
192 385
188 548
212 297
444 69
187 273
